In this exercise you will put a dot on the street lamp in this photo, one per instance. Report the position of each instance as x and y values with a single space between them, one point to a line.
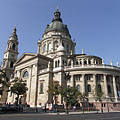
67 77
96 103
107 99
101 105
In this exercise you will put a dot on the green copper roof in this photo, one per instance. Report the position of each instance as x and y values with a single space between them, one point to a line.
57 24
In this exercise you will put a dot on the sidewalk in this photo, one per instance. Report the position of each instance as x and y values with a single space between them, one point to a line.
70 113
39 111
76 113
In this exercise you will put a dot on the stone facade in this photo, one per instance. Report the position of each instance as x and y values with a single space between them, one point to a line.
56 57
10 57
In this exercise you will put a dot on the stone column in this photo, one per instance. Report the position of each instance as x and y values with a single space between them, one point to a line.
72 63
72 80
94 79
105 87
78 62
82 62
52 45
83 84
115 89
87 61
46 47
29 84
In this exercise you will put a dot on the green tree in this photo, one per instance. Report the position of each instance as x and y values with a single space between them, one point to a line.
54 91
82 99
70 95
98 95
4 82
18 87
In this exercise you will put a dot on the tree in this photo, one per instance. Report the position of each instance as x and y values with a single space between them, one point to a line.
18 87
82 98
4 82
54 90
70 95
98 95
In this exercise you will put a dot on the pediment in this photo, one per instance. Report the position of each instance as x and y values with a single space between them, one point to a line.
25 57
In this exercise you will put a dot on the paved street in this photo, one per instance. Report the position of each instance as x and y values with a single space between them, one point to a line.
87 116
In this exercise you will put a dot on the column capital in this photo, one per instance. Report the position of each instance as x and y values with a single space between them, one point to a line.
71 75
30 66
114 75
105 74
83 74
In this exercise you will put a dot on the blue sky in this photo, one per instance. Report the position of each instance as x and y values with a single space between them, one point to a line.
94 24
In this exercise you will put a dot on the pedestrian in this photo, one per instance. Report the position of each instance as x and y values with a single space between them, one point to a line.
9 104
74 108
36 109
45 107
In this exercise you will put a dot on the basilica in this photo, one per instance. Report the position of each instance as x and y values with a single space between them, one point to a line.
56 57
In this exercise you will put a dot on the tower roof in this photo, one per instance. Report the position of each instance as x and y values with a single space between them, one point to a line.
57 24
14 35
57 15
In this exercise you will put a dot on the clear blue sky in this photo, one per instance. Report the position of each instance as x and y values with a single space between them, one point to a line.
94 24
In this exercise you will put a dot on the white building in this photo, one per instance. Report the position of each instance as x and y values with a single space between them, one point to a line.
56 56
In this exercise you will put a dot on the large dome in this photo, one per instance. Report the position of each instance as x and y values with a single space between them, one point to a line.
57 24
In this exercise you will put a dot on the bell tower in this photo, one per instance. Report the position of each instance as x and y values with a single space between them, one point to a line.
10 57
11 53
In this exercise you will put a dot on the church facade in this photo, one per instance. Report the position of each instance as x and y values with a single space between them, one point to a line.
56 57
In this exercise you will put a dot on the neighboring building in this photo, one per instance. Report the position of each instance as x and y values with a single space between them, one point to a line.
56 57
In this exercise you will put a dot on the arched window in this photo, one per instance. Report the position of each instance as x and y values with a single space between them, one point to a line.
67 48
89 61
63 62
58 63
41 88
55 63
11 64
49 46
109 89
13 46
99 88
89 88
117 87
44 48
63 44
56 44
69 63
76 62
78 88
80 62
85 62
26 74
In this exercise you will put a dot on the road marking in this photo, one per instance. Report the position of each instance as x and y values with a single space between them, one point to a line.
104 118
110 118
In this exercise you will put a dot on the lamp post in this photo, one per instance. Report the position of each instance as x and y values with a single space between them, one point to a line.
96 104
101 105
67 77
107 104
